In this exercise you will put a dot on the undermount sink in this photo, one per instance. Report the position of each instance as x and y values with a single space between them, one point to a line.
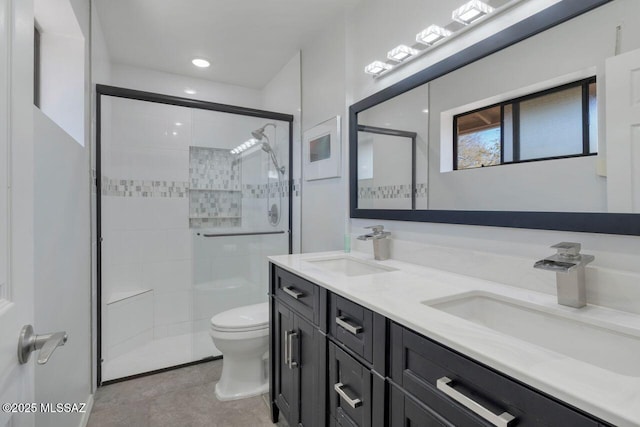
349 266
591 343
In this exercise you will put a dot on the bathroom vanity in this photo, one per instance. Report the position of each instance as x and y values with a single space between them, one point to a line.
355 342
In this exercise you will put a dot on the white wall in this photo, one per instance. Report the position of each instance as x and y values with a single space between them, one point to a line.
62 266
283 94
324 202
62 63
149 80
364 44
63 239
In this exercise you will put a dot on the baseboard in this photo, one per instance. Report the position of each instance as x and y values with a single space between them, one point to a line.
85 417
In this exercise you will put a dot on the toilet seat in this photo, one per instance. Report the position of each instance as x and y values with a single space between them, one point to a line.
242 319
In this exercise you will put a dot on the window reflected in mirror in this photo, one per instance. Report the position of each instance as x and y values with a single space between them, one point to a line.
555 123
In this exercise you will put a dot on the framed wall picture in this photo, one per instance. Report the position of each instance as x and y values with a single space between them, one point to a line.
322 150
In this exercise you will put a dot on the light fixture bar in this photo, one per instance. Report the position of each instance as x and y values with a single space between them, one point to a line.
471 12
432 34
377 67
401 53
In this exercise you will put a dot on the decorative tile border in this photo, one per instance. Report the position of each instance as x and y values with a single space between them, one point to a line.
262 191
402 191
143 188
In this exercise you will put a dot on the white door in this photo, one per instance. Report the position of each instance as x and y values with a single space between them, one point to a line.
16 204
623 132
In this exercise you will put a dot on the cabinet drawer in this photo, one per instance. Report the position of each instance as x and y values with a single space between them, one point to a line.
352 325
349 387
417 364
299 294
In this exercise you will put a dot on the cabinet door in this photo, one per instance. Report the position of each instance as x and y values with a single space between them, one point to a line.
309 358
285 393
406 412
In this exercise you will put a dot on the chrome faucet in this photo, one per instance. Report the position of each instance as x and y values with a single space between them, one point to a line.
380 241
568 263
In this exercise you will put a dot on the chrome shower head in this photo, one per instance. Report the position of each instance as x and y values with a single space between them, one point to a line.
266 147
259 133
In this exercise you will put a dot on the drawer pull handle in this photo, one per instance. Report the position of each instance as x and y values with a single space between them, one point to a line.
354 403
291 363
290 291
502 420
354 329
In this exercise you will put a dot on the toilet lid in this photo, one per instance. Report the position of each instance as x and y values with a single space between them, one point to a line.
246 318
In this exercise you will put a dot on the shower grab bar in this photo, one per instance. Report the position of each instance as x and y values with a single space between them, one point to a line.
255 233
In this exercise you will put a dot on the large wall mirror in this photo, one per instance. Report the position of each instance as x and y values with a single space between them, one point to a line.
513 130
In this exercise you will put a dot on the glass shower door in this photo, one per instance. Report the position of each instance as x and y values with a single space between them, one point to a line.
187 221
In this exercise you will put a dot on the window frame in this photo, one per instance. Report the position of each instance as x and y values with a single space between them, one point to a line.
515 103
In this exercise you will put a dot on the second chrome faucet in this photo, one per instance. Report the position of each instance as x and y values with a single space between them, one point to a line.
381 250
568 263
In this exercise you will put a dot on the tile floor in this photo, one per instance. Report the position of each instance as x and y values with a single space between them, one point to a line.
179 398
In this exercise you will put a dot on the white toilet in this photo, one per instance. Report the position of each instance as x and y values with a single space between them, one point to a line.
242 335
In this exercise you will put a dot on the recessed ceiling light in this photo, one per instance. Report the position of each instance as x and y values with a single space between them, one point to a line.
426 111
178 123
401 53
199 62
377 67
471 11
432 34
190 91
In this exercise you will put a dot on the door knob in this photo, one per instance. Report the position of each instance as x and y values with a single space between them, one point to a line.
30 342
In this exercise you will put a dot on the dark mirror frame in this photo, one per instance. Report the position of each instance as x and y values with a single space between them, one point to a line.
609 223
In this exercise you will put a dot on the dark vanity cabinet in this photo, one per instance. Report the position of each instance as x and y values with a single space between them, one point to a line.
336 363
298 351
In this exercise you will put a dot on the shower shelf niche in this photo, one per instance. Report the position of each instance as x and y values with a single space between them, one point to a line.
215 194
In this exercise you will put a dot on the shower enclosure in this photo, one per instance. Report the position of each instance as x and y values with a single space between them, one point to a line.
194 197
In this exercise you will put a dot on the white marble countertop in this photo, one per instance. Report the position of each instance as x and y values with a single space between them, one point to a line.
399 294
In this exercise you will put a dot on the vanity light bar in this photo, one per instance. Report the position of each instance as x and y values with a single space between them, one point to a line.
244 146
471 11
466 14
432 34
377 67
401 53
